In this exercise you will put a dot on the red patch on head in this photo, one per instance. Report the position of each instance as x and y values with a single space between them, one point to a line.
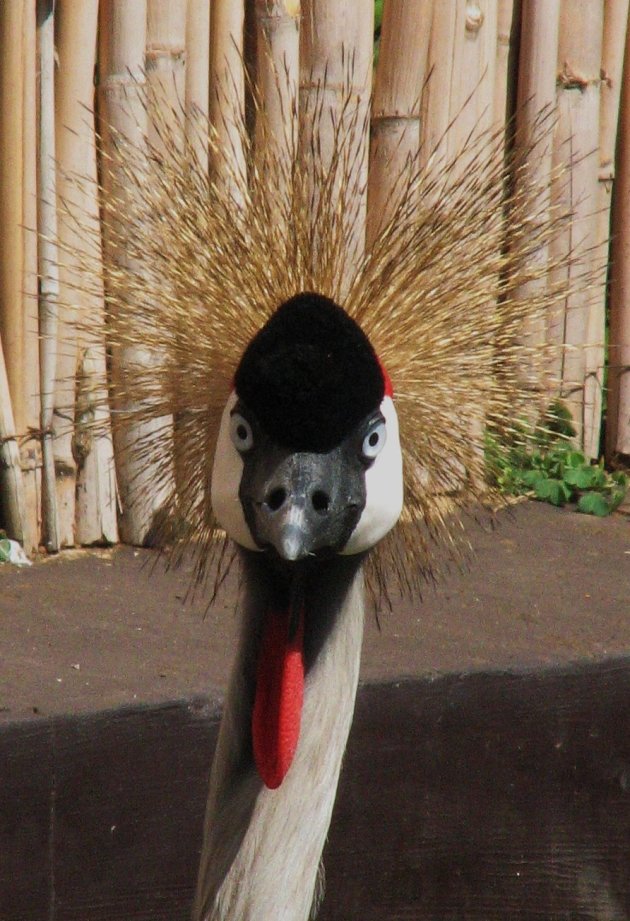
279 696
389 390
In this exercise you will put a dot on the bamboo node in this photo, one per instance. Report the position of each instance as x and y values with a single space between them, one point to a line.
474 17
570 79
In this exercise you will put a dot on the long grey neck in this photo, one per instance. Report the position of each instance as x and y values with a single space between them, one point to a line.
262 847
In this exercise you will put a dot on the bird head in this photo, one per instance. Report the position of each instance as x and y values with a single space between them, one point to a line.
308 461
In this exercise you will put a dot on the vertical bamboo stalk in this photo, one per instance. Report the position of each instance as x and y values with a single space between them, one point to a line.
11 486
618 412
48 266
583 325
337 49
30 446
536 95
227 88
121 66
165 61
84 457
197 97
11 167
400 77
278 70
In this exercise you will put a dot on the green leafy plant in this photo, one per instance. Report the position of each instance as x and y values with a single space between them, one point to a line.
543 463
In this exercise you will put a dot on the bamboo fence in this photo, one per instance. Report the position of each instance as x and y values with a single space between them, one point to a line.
445 70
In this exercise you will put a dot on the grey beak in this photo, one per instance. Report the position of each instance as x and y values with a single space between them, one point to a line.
300 503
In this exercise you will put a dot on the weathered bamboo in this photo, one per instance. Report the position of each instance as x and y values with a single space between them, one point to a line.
122 78
336 49
400 77
577 136
227 86
11 485
618 411
48 267
197 97
278 52
165 62
11 166
83 454
30 444
536 95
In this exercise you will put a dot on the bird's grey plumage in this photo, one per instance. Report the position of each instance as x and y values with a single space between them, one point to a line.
262 847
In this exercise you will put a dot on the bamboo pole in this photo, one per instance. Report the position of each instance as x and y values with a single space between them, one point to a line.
536 95
165 63
336 49
11 167
577 136
83 455
30 443
143 490
48 267
197 97
11 485
278 52
395 134
227 89
618 411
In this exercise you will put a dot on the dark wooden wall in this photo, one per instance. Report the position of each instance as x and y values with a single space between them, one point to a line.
483 796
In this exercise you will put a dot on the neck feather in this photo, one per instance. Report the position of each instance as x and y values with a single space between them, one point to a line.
262 847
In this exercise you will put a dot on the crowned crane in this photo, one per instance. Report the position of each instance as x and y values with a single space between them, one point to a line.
307 478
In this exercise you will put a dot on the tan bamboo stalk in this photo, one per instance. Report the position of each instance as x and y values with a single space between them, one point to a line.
536 94
11 167
48 266
436 100
227 85
474 69
84 459
278 54
400 77
11 485
333 34
505 22
30 446
583 323
165 60
122 106
198 76
618 410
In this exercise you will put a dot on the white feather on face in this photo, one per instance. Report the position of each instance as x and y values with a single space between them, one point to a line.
383 487
383 484
226 480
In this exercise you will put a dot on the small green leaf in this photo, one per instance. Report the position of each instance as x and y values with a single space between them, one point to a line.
594 503
619 478
531 477
552 490
616 498
584 477
574 459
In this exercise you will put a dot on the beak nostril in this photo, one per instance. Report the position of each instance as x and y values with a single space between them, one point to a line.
320 501
276 498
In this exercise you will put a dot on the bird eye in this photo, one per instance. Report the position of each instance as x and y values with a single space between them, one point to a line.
374 441
241 433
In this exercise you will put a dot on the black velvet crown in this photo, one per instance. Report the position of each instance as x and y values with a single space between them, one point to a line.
310 375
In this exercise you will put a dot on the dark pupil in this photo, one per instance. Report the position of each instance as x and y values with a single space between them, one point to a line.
373 439
241 431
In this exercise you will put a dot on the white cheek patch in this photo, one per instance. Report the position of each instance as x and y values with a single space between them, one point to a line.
226 480
383 488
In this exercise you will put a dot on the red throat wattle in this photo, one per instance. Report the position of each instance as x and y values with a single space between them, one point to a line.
277 709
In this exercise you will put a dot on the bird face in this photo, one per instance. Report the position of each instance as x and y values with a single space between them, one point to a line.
308 461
